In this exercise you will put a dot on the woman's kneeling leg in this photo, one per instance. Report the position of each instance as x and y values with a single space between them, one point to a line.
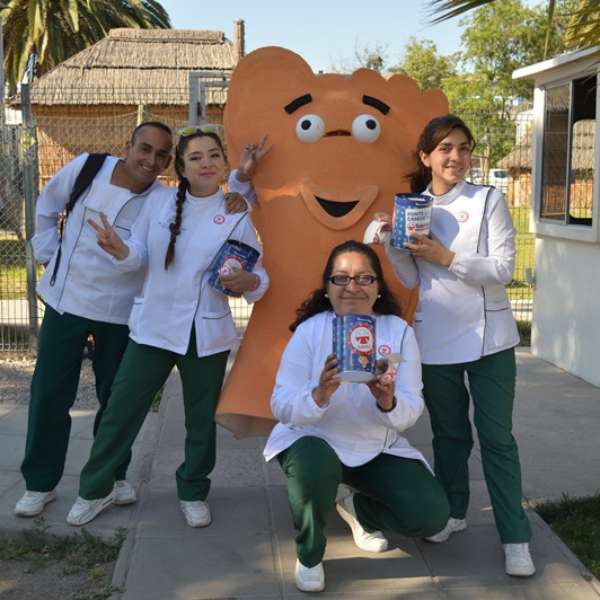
398 494
313 473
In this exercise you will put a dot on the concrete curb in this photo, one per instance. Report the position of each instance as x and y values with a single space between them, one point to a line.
127 551
585 573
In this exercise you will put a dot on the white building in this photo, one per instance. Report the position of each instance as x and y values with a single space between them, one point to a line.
565 214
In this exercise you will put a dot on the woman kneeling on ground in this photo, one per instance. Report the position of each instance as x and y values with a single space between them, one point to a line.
330 433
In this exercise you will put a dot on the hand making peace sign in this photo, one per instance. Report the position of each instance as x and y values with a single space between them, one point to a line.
108 239
252 154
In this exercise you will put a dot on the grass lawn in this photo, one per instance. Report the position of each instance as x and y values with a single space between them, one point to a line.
77 567
577 522
525 243
13 276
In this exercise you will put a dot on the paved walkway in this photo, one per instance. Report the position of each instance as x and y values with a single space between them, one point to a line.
248 551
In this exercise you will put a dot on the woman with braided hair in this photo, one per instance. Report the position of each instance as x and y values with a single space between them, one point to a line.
179 320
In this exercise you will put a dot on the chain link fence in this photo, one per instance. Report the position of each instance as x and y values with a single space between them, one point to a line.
30 156
18 170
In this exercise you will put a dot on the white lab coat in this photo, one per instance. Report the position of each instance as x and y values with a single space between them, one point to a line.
351 423
176 299
87 283
464 312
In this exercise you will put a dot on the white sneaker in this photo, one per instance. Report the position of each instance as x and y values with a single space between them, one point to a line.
124 493
84 511
33 503
373 541
517 560
452 526
310 579
343 491
197 513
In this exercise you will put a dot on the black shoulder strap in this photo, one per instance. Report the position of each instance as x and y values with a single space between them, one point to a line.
93 164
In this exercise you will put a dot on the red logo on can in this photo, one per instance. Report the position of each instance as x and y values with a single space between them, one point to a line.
231 265
219 219
462 216
362 339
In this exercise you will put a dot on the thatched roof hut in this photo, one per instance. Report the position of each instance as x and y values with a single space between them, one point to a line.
93 100
518 162
582 152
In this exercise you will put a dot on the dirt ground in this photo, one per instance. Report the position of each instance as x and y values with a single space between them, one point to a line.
53 579
18 581
15 379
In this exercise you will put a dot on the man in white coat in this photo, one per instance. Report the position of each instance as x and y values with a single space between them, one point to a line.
84 295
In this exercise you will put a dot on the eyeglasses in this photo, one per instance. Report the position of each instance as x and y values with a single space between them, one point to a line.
344 280
206 128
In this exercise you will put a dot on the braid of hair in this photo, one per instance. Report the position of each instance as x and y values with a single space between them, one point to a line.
175 227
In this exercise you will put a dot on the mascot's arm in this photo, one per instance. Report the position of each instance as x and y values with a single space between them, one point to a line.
244 188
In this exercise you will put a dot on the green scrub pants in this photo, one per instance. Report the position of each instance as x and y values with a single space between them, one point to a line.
143 371
393 493
61 342
492 385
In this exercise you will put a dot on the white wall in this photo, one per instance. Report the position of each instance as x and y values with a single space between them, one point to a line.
566 315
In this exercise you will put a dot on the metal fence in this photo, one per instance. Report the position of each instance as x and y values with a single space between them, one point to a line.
30 156
18 173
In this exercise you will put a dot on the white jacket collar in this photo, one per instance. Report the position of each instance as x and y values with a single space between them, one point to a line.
449 196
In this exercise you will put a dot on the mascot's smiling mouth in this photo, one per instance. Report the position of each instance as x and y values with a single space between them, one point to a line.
323 203
336 209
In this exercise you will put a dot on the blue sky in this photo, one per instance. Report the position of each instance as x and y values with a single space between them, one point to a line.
326 32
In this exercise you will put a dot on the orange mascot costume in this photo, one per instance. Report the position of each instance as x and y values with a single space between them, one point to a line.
342 146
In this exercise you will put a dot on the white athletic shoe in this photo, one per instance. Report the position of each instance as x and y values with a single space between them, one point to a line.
84 511
124 493
517 560
33 503
310 579
452 526
373 541
197 513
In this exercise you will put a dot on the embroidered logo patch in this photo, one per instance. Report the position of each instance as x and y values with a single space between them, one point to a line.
462 216
384 349
219 219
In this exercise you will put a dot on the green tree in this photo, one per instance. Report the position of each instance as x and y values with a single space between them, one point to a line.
54 30
497 39
582 18
501 37
422 63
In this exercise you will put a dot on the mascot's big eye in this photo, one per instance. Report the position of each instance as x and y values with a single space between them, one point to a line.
366 129
310 128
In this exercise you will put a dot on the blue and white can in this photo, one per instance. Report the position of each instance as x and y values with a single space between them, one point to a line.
233 256
412 215
355 346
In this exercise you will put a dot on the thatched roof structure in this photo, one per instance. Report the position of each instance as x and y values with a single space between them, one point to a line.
583 149
139 66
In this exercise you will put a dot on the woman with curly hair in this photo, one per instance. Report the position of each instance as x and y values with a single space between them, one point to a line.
330 433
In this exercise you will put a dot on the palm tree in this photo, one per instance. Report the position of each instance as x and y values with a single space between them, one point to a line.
54 30
583 28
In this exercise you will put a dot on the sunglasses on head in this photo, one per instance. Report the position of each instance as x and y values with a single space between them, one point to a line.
206 128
